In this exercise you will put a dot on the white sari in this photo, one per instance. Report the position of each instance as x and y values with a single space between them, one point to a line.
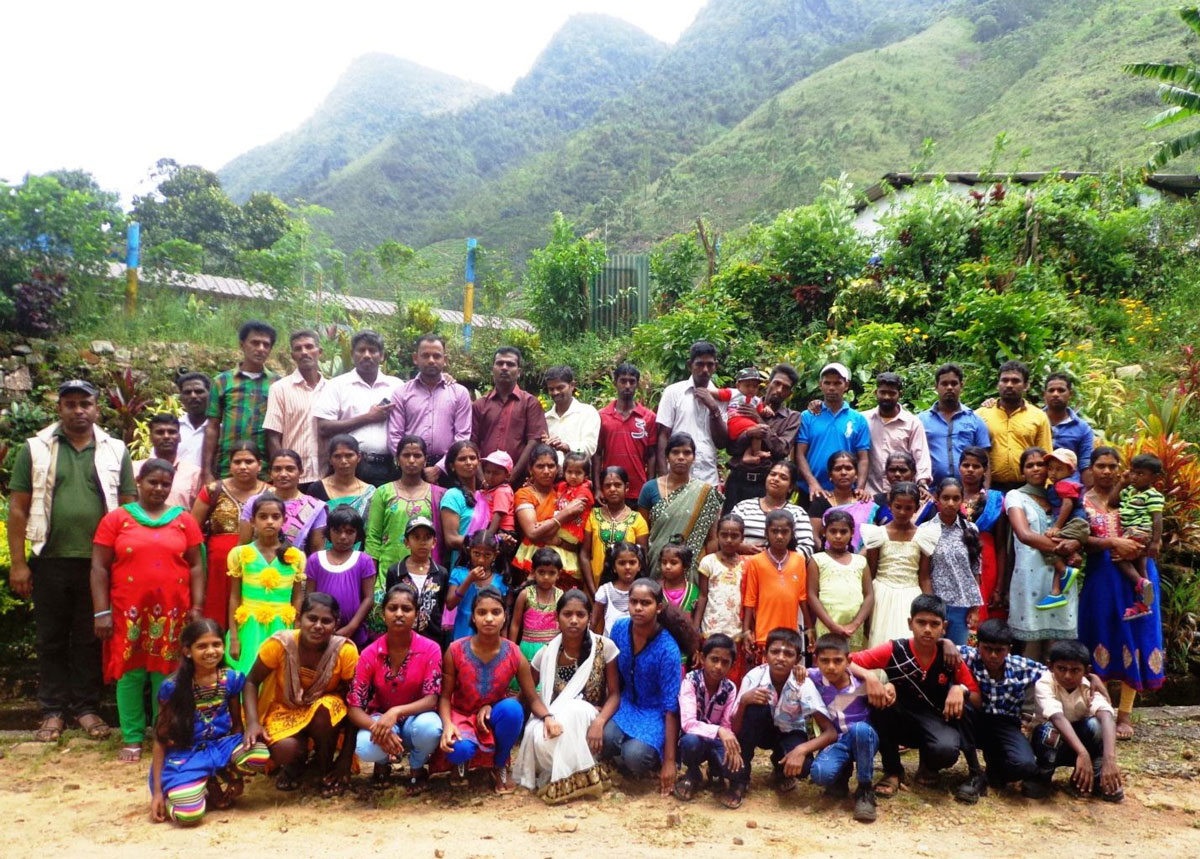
563 767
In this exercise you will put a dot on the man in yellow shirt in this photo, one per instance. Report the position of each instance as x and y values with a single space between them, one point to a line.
1014 425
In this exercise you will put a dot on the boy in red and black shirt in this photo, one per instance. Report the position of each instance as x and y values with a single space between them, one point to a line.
921 706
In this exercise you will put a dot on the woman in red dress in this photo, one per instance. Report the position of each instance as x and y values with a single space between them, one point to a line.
147 585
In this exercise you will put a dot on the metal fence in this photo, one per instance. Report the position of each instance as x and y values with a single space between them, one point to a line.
621 293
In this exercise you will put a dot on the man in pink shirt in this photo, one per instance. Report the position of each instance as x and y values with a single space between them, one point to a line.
894 429
430 406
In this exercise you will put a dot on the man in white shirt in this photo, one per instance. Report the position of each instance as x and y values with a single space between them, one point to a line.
164 440
570 424
689 406
193 396
359 403
289 422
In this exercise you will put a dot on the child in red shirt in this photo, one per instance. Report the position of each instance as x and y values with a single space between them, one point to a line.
574 485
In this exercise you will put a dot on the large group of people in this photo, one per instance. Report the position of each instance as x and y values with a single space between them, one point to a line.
308 571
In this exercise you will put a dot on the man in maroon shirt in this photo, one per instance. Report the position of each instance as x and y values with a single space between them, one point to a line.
508 418
628 434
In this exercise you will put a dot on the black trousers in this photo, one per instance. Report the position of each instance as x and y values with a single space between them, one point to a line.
377 469
921 728
742 484
1006 753
759 731
70 679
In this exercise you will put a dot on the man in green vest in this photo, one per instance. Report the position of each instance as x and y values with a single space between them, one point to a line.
64 480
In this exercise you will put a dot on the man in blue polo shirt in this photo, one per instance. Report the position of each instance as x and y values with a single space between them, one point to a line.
835 428
1069 430
950 426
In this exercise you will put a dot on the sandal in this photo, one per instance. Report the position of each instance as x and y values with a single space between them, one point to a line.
95 727
685 787
287 782
50 730
733 798
784 783
888 786
334 786
129 754
418 781
381 777
502 780
1135 611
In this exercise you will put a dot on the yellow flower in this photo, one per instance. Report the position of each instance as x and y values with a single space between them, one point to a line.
288 614
270 579
241 615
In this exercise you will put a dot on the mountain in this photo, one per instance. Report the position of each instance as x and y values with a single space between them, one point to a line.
412 186
375 96
1053 87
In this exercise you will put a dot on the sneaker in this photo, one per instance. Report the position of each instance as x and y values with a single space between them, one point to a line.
1070 577
838 790
1050 601
970 790
864 803
1135 611
1033 788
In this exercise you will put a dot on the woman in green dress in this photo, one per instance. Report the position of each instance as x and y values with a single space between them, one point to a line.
676 504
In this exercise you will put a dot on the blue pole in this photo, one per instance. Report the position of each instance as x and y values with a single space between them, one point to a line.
469 298
133 253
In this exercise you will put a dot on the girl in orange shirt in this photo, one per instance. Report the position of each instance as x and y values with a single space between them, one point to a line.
776 582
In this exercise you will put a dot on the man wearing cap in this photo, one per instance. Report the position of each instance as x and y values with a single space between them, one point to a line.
431 405
691 407
894 429
64 480
1014 426
951 427
1067 428
777 433
836 427
628 435
360 403
570 424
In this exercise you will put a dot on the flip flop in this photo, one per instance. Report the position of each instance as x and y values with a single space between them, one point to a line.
685 787
502 781
887 787
129 754
418 781
285 781
733 799
50 730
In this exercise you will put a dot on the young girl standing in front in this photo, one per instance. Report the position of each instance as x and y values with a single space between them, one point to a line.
622 566
466 582
345 573
839 583
719 608
673 564
198 737
899 564
954 562
776 594
264 595
534 624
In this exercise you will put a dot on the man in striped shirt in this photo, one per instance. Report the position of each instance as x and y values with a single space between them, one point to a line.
289 422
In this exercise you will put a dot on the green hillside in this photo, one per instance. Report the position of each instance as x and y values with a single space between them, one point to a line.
375 95
1054 88
407 187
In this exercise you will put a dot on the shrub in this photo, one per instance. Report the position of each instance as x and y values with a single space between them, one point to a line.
558 281
928 236
40 303
663 343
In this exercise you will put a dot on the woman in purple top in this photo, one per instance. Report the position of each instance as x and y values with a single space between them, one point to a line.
303 515
393 697
345 573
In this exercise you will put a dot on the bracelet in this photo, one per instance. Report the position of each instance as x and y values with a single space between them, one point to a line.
100 614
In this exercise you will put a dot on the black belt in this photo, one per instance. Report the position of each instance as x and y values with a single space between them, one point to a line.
748 476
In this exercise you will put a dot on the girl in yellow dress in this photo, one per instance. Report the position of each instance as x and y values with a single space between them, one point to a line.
264 596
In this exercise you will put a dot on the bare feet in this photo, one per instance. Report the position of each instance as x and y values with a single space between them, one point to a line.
1124 726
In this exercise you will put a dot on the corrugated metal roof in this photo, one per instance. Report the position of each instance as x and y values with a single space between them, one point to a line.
232 287
1180 184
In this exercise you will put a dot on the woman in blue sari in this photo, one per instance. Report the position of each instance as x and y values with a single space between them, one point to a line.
1128 651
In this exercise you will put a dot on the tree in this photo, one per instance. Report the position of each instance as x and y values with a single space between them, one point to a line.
558 281
1180 88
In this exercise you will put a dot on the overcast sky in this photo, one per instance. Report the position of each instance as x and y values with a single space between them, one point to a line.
112 87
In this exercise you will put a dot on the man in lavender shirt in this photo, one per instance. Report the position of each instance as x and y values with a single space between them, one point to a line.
431 406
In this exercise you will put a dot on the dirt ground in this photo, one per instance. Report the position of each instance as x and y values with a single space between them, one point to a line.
75 796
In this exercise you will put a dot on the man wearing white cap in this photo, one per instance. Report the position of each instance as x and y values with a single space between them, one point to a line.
836 427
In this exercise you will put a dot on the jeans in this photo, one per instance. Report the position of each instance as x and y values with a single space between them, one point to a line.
695 750
1006 752
630 754
920 727
956 623
759 731
131 703
421 734
507 720
855 748
70 679
1050 757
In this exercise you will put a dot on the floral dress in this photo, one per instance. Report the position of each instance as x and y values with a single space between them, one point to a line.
723 612
222 525
266 606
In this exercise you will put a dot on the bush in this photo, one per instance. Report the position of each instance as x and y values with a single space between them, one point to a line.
39 303
558 281
663 344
